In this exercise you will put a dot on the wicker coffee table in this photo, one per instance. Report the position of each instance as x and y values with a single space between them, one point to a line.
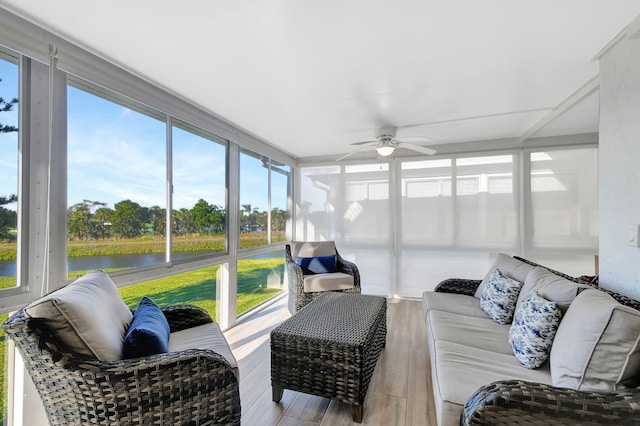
330 348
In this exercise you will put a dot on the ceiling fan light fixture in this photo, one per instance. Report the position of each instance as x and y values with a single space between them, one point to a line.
385 150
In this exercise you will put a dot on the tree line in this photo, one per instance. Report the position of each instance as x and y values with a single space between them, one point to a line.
8 218
128 219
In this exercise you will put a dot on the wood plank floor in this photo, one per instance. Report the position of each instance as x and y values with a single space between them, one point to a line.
400 389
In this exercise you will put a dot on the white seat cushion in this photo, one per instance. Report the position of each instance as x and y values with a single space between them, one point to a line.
206 336
482 333
88 316
327 282
454 303
461 370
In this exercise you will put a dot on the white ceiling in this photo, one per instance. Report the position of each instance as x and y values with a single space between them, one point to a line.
313 76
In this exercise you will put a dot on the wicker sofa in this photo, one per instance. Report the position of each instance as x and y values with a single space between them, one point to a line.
72 342
477 378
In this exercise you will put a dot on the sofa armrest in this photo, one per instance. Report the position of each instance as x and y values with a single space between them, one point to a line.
181 317
458 286
520 402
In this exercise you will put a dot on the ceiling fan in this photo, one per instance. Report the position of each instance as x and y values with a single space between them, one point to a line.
386 143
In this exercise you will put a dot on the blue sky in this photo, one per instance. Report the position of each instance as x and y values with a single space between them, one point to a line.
117 153
9 141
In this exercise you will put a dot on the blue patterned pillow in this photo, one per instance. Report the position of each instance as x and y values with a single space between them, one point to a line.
499 297
534 326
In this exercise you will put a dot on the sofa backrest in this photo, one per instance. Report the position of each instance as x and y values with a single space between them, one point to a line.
624 300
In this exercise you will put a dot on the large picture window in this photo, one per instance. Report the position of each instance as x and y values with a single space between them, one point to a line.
9 83
260 278
427 203
486 202
480 210
254 199
366 209
9 192
454 213
264 195
564 200
199 192
116 182
316 203
280 179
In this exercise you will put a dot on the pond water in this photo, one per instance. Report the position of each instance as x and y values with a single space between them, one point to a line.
84 263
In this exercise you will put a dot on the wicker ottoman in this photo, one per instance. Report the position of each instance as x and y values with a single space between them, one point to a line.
330 348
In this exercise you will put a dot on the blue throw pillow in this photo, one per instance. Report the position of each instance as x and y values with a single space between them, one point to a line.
148 333
318 264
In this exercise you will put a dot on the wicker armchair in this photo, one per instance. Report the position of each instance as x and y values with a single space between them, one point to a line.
191 387
295 277
522 402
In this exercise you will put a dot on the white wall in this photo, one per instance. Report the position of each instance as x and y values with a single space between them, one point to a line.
620 166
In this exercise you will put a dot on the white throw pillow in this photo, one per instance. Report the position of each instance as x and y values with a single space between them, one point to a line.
596 347
509 267
534 325
88 316
499 297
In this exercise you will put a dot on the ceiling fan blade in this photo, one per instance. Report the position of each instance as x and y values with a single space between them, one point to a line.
366 148
413 139
417 148
365 143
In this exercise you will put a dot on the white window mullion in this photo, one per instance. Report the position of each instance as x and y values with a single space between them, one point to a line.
395 207
524 188
269 204
169 211
57 189
454 202
227 288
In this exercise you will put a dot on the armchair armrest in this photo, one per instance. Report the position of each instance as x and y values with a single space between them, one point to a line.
294 271
458 286
520 402
350 268
206 383
181 317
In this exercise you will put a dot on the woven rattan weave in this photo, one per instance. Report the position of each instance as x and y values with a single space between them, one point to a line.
330 348
193 387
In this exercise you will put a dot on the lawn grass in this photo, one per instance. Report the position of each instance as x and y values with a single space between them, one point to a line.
199 287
